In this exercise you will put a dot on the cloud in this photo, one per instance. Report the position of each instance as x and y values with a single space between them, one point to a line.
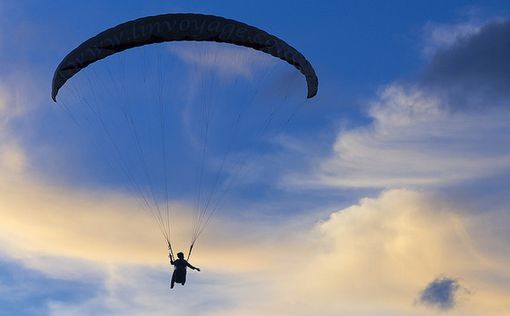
227 60
414 141
446 127
443 36
12 107
474 71
440 293
55 229
370 258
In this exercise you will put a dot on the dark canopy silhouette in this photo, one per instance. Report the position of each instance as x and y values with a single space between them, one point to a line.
101 96
179 27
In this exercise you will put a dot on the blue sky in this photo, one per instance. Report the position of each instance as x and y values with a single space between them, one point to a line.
391 183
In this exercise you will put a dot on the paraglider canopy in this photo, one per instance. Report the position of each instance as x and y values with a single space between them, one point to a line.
179 27
108 100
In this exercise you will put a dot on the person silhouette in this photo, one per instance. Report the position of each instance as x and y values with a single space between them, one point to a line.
180 267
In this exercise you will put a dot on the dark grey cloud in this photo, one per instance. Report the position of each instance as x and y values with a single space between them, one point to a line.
440 293
474 71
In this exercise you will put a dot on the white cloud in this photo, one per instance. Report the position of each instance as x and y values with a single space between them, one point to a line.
442 36
227 60
40 221
415 141
371 258
446 127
